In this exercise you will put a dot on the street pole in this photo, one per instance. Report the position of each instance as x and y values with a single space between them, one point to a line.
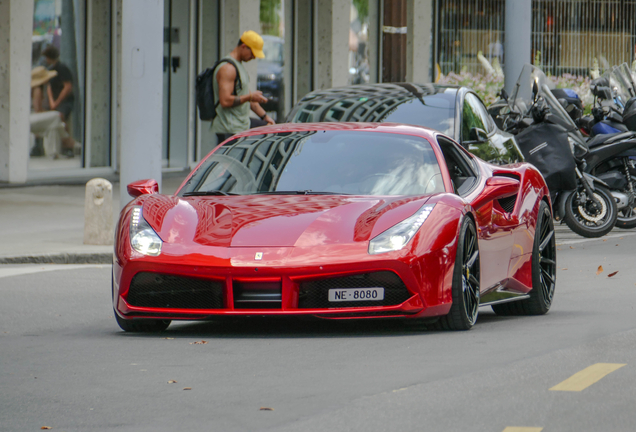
394 33
517 44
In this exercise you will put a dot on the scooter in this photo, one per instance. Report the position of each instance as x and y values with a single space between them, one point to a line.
549 139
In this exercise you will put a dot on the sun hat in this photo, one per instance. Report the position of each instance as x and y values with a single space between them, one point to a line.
41 75
254 41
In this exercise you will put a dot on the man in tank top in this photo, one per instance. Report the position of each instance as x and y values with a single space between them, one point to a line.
233 109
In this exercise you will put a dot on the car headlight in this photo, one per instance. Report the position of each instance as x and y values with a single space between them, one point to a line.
399 235
143 238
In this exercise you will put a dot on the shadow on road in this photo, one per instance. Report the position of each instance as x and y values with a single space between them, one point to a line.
261 327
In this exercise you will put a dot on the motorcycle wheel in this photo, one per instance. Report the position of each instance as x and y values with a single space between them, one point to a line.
586 219
626 218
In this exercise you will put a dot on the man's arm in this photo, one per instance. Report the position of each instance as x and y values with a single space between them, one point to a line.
225 77
260 112
66 90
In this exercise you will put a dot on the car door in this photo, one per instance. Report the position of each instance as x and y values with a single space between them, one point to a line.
495 226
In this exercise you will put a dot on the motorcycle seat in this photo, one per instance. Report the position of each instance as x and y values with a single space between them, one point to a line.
610 138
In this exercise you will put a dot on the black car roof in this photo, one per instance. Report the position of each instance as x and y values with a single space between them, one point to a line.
363 102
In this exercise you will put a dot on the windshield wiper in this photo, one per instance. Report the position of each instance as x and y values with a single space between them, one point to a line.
208 193
299 192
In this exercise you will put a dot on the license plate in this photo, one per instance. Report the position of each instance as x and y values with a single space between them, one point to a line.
356 294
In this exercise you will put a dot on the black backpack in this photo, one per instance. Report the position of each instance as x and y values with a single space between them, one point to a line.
205 90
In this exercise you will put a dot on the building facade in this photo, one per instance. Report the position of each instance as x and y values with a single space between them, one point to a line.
134 65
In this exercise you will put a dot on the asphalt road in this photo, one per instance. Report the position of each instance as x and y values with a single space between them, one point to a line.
65 364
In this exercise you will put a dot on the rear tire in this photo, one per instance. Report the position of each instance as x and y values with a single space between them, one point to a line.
141 325
581 217
465 288
543 270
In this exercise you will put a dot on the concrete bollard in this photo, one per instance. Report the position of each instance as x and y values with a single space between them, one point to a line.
98 212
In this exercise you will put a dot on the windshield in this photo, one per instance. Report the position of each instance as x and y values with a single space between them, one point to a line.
626 73
436 111
522 97
621 89
322 162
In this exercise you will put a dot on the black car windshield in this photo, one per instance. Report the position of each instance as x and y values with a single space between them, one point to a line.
435 111
320 162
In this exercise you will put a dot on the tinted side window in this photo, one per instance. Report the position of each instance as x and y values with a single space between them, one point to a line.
459 166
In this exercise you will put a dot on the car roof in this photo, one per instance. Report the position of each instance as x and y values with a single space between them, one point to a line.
380 98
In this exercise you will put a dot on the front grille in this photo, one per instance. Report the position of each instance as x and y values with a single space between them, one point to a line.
315 294
257 295
167 291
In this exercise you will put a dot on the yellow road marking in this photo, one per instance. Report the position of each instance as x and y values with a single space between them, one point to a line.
522 429
588 376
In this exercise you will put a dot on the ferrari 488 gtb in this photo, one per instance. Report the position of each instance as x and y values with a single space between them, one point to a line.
337 220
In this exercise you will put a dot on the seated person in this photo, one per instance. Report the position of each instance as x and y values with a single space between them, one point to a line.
49 124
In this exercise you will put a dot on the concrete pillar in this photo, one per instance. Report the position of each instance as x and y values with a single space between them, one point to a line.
238 17
303 43
332 43
98 212
141 92
419 16
16 23
517 43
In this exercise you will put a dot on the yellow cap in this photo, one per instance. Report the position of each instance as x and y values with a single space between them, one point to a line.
254 41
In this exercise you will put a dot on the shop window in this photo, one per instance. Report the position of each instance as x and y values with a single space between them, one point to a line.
59 93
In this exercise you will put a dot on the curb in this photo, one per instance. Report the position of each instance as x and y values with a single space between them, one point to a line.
62 258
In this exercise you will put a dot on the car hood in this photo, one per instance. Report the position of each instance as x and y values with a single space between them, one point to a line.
275 220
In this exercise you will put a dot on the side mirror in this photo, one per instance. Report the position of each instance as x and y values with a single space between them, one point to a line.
602 92
478 135
142 187
497 187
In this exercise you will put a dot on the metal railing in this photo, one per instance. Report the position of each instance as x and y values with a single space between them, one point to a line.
567 35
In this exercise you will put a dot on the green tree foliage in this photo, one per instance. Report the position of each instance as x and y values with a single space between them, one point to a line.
270 17
362 7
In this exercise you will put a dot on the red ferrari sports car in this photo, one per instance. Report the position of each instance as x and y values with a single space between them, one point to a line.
337 220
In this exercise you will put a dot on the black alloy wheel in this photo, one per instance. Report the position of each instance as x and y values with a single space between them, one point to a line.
588 218
466 281
543 270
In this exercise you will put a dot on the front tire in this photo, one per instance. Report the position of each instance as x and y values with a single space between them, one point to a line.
543 270
141 325
466 281
588 219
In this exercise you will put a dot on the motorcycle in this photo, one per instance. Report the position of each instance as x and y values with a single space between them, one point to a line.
612 148
550 140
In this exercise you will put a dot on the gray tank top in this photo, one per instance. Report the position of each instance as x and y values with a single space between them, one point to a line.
234 119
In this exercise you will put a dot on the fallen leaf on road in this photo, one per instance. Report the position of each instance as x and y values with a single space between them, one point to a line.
558 248
612 274
267 409
599 270
168 338
172 382
564 268
571 247
199 342
604 239
187 388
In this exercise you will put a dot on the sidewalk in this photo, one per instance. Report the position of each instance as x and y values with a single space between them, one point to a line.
45 224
